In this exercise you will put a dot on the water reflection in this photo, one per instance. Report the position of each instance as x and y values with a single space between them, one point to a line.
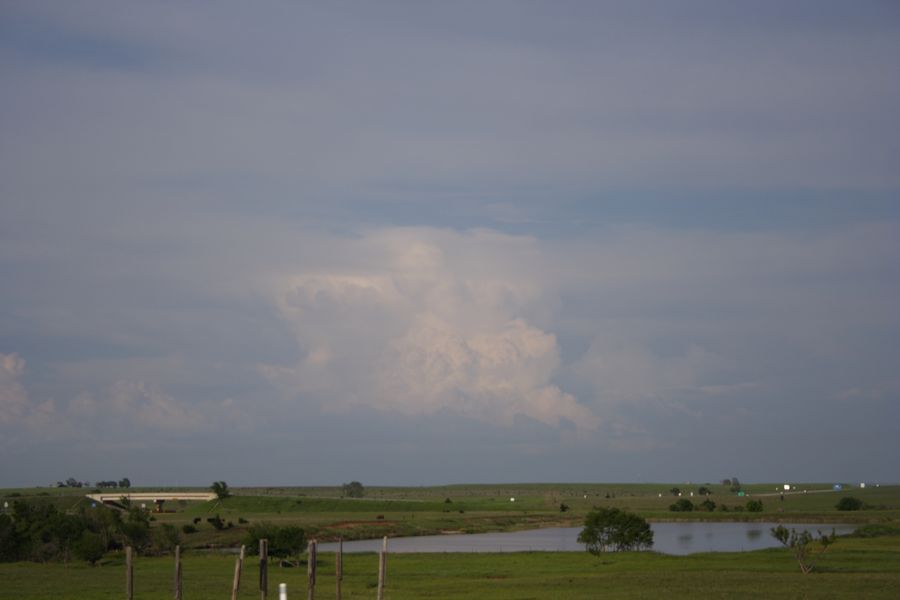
753 534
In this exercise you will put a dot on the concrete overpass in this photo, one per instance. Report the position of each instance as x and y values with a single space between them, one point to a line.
157 498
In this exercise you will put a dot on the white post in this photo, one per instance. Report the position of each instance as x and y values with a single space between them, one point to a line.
282 591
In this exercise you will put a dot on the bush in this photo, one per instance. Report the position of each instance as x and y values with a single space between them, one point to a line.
683 505
849 503
284 541
754 506
90 547
216 522
806 548
708 505
611 529
188 529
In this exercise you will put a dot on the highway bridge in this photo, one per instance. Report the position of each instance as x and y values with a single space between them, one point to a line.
157 498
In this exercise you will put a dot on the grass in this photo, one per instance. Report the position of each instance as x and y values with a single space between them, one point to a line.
854 567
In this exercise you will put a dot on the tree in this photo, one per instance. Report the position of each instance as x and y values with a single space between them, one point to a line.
802 545
220 488
735 485
354 489
614 530
675 491
849 503
125 482
704 491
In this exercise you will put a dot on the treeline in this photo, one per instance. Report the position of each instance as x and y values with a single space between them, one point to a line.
41 533
74 483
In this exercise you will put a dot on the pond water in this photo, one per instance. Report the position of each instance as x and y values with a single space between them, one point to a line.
668 538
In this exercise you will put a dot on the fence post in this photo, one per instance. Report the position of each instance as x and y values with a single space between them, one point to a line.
263 569
339 566
311 556
382 569
178 595
238 568
282 591
129 574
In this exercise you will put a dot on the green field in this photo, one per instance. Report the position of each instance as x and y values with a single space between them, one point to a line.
854 568
859 567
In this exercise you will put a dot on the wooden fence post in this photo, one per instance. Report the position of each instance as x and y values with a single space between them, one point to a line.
263 569
238 567
311 556
339 566
178 595
129 574
382 569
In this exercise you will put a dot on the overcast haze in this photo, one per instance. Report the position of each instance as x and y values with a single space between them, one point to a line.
415 243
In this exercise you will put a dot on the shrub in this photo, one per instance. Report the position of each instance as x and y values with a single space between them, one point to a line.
216 522
849 503
284 541
801 545
188 529
754 506
708 505
683 505
90 547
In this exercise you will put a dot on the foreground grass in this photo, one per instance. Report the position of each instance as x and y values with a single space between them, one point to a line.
854 567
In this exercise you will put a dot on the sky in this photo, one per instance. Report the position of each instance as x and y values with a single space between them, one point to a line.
416 243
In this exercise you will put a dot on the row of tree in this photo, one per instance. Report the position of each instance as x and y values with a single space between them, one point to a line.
41 533
74 483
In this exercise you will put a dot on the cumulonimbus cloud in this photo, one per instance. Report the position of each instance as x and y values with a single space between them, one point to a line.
425 331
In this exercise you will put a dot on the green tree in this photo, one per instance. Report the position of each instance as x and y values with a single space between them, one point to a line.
220 489
354 489
708 505
807 550
754 506
615 530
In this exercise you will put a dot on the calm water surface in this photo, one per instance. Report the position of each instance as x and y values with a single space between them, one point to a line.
668 538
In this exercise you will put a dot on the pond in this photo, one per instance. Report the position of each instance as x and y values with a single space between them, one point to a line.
668 538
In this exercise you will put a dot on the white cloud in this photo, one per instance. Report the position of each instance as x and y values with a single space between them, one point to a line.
437 321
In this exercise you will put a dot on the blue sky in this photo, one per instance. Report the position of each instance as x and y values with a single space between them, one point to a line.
415 243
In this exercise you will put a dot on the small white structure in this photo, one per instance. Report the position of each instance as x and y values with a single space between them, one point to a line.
512 499
787 487
862 485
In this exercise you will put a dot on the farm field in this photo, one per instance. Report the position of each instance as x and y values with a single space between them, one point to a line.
868 567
